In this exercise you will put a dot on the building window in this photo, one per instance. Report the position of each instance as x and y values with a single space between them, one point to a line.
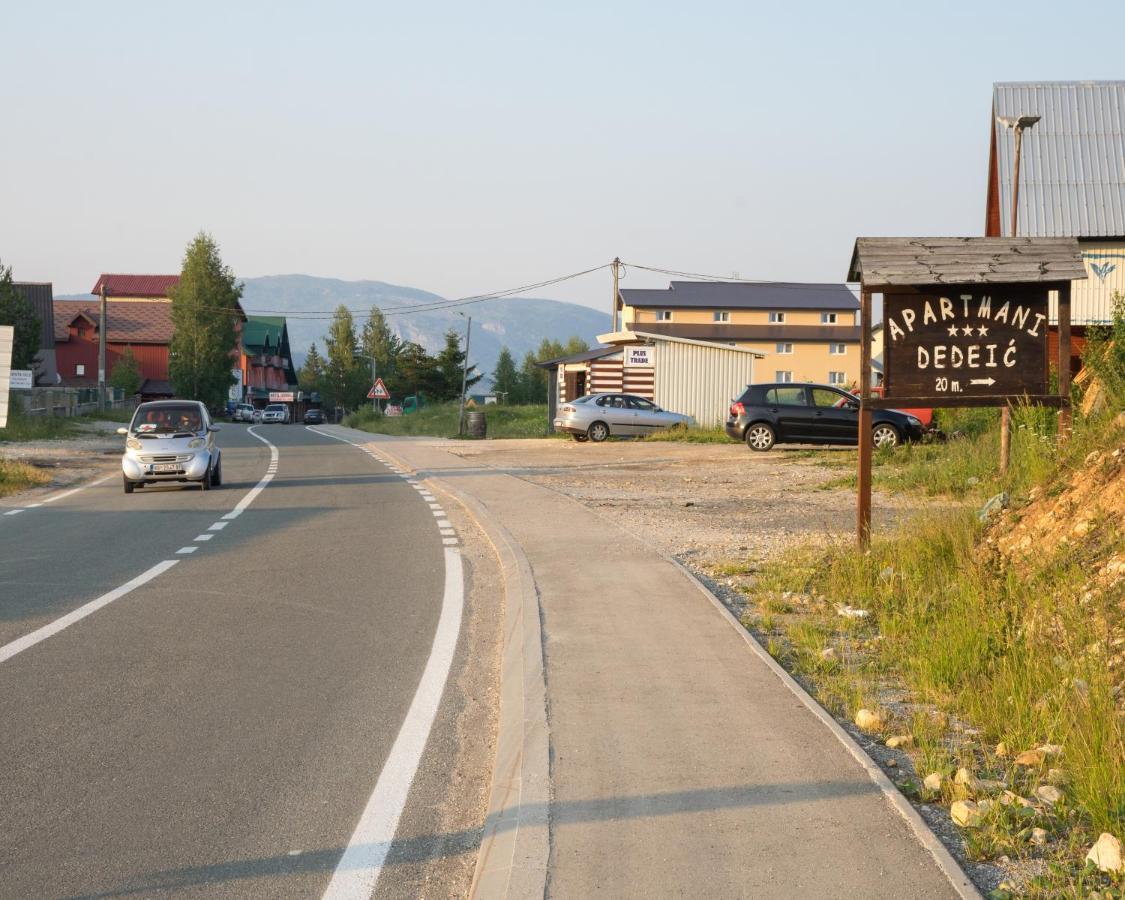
784 349
721 315
785 376
79 369
835 377
777 318
828 318
664 315
837 349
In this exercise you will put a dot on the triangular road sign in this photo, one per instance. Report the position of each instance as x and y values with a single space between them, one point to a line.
378 391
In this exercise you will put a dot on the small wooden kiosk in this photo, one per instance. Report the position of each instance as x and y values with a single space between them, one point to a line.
965 323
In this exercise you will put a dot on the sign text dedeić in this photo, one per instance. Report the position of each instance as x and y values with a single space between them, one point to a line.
967 344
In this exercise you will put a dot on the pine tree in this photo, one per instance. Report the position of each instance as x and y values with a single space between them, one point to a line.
418 372
505 380
311 376
16 310
126 374
204 311
450 366
533 381
384 345
344 375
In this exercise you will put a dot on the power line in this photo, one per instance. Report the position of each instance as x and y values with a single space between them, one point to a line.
735 279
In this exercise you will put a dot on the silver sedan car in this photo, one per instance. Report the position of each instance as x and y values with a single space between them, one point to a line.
171 440
596 417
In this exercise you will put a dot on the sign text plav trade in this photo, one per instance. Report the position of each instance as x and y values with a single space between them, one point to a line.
969 343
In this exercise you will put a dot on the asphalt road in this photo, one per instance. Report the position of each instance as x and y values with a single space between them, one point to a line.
218 730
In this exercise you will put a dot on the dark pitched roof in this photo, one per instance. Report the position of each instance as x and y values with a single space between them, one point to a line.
130 321
135 285
967 260
585 356
744 295
41 297
1072 170
260 331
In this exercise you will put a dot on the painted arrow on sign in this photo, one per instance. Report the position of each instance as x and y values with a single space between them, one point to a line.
988 381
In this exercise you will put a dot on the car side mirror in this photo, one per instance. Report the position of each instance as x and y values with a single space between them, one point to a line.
212 427
124 431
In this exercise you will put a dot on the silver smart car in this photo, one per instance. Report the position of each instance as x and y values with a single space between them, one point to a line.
171 440
596 417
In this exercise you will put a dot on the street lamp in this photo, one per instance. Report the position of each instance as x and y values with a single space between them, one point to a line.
464 372
1017 124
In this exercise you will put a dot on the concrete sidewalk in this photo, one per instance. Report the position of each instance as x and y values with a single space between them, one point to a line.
681 766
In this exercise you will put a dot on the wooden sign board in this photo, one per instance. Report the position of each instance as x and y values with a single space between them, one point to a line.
968 345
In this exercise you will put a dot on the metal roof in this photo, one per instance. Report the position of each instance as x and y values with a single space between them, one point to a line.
1072 174
130 321
144 286
259 332
743 295
886 262
584 356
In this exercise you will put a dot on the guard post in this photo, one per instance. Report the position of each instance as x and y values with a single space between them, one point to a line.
965 323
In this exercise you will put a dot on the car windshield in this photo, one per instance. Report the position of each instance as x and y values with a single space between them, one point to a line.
275 408
167 420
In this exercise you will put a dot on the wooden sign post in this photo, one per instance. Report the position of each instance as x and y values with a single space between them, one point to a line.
966 323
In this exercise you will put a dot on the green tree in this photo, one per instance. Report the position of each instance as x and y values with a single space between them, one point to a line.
204 312
418 372
532 381
16 310
380 342
126 374
311 376
345 376
505 379
450 366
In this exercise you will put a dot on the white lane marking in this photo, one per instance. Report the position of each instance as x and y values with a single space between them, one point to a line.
439 513
448 541
359 868
203 537
41 634
33 505
76 490
218 526
448 532
14 512
444 523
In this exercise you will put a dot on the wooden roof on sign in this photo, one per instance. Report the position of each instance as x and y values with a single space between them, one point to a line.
911 262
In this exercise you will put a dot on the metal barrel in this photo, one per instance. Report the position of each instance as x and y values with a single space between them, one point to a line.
475 423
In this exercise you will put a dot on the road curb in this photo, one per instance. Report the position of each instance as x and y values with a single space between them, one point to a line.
515 845
945 861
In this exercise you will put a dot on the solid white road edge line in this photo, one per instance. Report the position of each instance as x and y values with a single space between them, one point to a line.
359 868
41 634
76 490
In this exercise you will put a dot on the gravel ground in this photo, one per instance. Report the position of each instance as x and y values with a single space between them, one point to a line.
702 503
97 452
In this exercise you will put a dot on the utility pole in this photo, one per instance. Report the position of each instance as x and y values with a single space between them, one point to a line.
103 327
465 375
374 400
616 295
1018 124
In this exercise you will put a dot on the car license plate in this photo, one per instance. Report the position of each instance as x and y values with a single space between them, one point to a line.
165 467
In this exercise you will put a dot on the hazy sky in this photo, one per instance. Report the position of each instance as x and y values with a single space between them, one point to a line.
465 147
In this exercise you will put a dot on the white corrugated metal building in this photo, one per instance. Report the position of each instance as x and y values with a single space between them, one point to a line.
697 378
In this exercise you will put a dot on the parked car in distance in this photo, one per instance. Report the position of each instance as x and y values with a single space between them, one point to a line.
768 414
243 412
596 417
314 417
278 413
171 440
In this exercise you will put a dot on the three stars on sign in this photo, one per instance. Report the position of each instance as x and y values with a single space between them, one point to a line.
967 330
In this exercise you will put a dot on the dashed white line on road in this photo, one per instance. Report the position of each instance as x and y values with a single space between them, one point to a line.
41 634
218 526
186 550
444 523
359 868
203 537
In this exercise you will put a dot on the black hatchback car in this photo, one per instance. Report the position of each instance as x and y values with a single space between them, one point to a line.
314 417
768 414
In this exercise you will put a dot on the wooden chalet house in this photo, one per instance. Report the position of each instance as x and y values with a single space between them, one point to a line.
265 361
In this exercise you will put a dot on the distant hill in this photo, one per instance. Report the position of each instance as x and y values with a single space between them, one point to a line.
519 323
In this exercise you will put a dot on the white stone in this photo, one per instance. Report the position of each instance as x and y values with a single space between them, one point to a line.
900 740
1106 853
932 782
1049 794
1039 836
965 813
868 720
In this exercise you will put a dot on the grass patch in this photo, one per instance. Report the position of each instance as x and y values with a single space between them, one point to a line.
440 420
23 428
690 435
17 476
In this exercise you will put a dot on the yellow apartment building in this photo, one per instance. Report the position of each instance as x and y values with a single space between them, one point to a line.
805 332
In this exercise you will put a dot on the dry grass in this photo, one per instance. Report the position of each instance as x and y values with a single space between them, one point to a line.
17 476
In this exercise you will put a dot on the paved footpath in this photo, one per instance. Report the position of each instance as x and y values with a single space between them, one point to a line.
681 766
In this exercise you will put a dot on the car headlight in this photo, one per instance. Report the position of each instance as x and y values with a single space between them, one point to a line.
133 444
914 422
196 443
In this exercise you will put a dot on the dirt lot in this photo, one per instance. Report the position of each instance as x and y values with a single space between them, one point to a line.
702 503
97 452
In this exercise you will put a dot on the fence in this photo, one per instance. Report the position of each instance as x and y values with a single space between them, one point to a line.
62 401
